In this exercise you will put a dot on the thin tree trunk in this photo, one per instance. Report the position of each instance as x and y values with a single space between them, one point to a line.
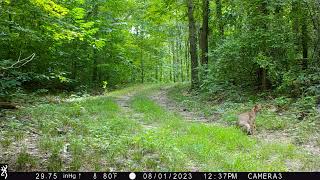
187 60
94 67
264 11
157 72
74 70
193 46
161 70
219 18
204 33
181 60
173 63
170 69
10 19
142 66
177 56
304 42
295 25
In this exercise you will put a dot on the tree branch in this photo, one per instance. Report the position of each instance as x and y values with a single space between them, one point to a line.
20 62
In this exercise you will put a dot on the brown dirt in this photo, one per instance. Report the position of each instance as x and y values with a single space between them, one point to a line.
123 102
162 99
29 145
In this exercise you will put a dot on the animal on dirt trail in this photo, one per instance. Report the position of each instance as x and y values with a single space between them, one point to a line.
247 120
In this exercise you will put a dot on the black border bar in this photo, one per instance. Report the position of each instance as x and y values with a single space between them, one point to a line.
162 176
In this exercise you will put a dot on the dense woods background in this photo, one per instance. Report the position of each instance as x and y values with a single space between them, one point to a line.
259 45
159 85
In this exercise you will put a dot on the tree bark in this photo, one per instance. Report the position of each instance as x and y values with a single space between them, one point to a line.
295 24
264 80
304 41
94 67
160 70
181 59
219 18
142 66
204 33
193 46
173 63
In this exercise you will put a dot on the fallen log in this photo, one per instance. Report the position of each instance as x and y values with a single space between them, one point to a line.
7 105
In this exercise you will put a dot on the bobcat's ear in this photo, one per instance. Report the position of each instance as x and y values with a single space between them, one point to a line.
257 107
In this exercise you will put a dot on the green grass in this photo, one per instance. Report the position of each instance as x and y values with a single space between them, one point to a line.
269 120
93 127
25 161
211 147
271 117
95 134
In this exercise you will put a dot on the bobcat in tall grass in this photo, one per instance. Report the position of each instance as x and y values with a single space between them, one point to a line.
247 120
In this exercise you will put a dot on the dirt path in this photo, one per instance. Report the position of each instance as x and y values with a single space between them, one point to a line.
124 103
124 100
162 99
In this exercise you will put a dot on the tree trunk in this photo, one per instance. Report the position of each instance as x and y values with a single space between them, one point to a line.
264 79
187 60
204 34
157 72
181 60
161 70
94 67
193 47
304 42
173 63
295 24
74 69
219 18
142 66
10 28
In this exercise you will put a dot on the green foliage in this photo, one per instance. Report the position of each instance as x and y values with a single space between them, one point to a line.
265 36
282 102
82 43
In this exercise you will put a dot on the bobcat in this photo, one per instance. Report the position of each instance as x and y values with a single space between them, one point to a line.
247 120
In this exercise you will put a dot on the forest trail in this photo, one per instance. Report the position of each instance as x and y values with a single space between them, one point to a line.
161 97
124 102
138 128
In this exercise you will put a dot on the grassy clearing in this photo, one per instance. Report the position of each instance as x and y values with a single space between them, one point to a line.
214 148
96 134
86 134
273 119
274 116
81 134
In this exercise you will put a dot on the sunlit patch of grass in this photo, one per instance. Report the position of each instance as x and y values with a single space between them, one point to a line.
143 104
146 88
